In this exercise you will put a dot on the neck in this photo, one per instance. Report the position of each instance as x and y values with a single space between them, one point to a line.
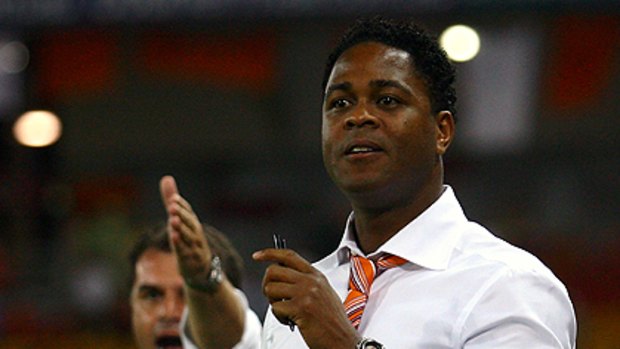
376 225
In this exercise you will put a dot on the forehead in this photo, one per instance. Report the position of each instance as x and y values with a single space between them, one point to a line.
374 60
157 268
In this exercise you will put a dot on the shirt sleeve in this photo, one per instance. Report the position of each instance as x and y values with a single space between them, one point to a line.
278 336
520 309
251 331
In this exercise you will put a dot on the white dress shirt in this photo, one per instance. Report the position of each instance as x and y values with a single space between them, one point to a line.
462 288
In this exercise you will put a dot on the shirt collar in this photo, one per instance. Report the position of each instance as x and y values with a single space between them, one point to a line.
428 240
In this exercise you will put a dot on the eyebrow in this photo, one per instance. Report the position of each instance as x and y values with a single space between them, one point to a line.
391 83
346 86
148 287
343 86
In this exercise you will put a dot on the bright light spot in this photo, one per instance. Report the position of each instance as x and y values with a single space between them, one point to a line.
461 43
14 57
38 128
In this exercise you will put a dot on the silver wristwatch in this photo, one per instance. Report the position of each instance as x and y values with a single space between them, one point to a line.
213 280
367 343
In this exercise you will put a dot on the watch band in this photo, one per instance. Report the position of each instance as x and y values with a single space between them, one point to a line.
368 343
213 280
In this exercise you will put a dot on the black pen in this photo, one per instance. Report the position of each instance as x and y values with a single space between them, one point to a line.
280 243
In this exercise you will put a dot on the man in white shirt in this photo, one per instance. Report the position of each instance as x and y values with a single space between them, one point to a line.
411 269
388 118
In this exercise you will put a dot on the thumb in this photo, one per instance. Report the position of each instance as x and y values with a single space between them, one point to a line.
167 188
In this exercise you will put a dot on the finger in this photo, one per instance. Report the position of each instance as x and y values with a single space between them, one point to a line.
277 291
279 273
187 224
175 240
194 238
182 232
286 257
175 233
167 189
183 203
178 206
190 220
283 310
179 246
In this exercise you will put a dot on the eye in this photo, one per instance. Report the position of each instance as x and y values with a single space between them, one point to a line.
388 101
150 293
339 103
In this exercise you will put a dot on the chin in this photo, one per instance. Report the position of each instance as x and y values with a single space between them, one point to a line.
361 190
362 183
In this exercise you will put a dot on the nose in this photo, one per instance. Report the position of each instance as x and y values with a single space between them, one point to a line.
171 308
361 117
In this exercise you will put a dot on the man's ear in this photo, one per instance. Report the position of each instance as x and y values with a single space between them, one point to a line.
445 130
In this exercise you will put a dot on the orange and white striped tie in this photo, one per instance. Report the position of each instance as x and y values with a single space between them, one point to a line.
363 273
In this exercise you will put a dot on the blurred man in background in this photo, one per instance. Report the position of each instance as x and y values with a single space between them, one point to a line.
159 293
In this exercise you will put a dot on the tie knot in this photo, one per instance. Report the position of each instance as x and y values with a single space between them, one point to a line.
364 270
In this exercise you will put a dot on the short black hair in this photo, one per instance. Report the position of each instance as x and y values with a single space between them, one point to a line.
429 59
156 237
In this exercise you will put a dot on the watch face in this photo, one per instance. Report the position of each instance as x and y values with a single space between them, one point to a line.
367 343
374 345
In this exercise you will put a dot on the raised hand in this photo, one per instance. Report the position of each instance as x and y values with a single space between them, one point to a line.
186 232
216 319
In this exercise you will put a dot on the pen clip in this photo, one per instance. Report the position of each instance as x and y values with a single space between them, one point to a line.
280 243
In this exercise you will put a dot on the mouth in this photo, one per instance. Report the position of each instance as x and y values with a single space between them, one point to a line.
360 148
168 342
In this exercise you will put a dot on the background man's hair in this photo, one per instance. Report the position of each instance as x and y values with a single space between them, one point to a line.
430 60
157 237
